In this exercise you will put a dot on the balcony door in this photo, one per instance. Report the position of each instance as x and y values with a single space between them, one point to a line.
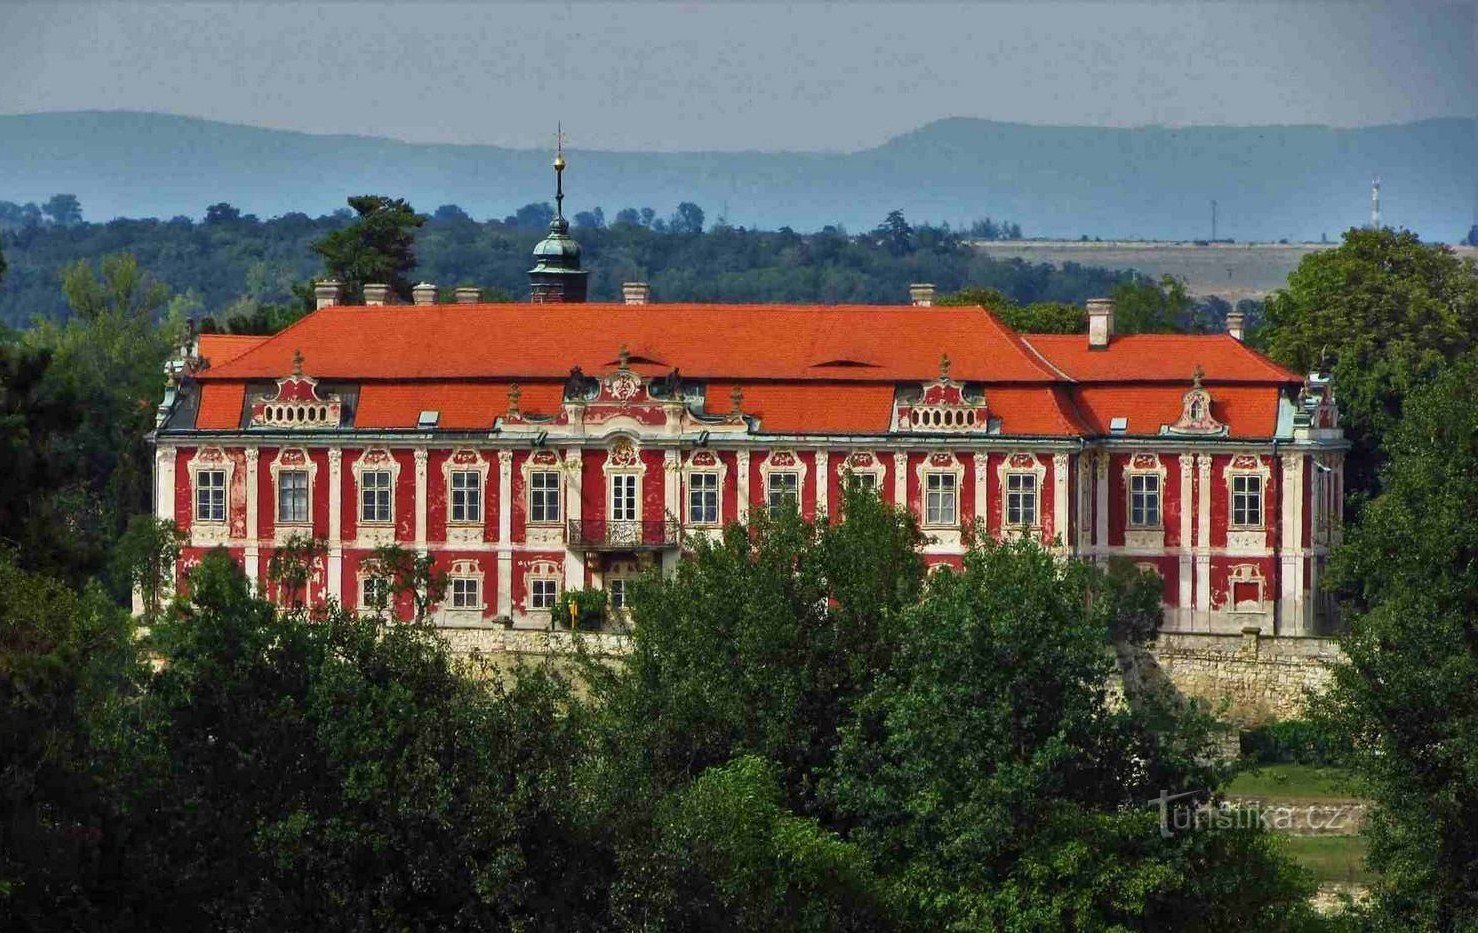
624 526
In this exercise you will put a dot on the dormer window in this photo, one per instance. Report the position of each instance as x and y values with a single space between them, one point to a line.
1195 412
297 403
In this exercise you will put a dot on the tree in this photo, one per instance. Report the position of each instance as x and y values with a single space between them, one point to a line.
64 210
341 773
448 213
409 578
1404 697
687 219
68 668
629 216
221 213
1472 238
378 247
1039 317
291 566
535 216
987 772
591 220
1145 307
1384 312
144 561
895 234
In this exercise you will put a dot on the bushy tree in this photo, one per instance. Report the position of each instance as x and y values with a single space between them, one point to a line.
1039 317
64 210
1404 697
378 247
1384 312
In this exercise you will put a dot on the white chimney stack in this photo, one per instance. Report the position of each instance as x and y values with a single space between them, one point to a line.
636 293
1236 324
921 294
467 295
1100 323
376 293
328 292
424 294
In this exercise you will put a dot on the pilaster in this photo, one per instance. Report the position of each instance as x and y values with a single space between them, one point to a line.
1292 614
741 486
253 554
982 489
1203 541
421 456
823 482
505 533
900 480
1059 500
164 483
336 527
1101 504
1185 602
574 510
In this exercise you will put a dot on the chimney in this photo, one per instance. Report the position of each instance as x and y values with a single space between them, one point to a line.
376 293
1236 324
424 294
468 295
636 293
1100 323
328 292
921 294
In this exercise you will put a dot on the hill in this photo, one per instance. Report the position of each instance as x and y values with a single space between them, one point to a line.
1272 182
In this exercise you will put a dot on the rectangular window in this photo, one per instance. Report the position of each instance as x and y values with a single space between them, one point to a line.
940 499
616 593
1021 499
703 498
868 482
292 497
374 593
374 496
1144 500
783 492
210 496
466 593
543 591
623 497
544 497
466 496
1247 501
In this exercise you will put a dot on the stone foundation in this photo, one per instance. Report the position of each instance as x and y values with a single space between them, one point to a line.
498 640
1248 679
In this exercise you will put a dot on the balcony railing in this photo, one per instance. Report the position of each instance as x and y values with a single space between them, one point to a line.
599 534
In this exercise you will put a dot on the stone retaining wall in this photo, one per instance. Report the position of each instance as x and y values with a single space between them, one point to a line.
498 640
1258 679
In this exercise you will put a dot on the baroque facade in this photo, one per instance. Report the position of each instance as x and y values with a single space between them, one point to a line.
537 447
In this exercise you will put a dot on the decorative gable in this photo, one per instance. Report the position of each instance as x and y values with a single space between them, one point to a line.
297 404
942 406
1195 412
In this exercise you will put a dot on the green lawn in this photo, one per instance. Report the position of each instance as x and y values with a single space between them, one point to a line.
1293 782
1330 858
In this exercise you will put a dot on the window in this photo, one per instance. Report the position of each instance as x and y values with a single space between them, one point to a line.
374 592
374 496
1144 500
544 497
623 497
940 499
703 498
466 593
1021 499
466 496
616 593
543 591
292 497
784 492
210 496
867 482
1247 501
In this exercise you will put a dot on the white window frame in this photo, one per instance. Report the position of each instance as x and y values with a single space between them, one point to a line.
364 578
206 493
1017 478
783 461
375 460
702 462
1154 499
464 587
623 496
377 499
1234 478
867 469
1020 463
775 478
459 462
939 485
704 499
556 491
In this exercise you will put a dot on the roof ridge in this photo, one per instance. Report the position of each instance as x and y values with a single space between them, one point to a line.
1020 344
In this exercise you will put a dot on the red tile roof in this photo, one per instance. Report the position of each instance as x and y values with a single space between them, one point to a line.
529 341
812 407
220 349
1248 411
1158 358
460 405
220 406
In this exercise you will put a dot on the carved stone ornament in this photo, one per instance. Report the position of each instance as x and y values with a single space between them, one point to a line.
1195 412
297 404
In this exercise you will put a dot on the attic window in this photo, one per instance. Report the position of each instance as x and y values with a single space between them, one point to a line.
428 419
1118 425
847 364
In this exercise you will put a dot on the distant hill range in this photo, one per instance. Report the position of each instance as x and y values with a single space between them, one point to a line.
1270 182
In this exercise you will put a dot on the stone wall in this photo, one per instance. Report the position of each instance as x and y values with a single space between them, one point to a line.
1248 678
500 642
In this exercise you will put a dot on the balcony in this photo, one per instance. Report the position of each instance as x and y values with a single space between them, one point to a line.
599 534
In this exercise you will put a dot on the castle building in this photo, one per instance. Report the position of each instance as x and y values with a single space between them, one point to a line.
536 447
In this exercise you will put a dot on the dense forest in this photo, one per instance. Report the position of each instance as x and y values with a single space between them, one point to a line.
229 263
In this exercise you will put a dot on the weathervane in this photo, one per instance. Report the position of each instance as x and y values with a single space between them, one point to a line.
559 170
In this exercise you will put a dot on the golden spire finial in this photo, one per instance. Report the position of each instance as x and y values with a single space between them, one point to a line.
559 147
1196 376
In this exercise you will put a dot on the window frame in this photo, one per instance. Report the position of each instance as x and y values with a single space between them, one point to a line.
554 494
282 483
464 593
703 498
212 489
772 507
388 490
1139 506
623 496
1258 499
1019 496
471 499
934 498
535 584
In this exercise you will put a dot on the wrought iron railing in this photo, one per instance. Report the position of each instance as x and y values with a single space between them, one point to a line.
609 535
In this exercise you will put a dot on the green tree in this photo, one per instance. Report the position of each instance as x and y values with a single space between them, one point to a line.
340 773
1404 697
687 219
68 667
1039 317
409 577
896 235
63 209
1145 307
1384 312
145 560
989 773
378 247
290 568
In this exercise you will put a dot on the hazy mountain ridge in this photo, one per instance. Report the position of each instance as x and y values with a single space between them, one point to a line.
1154 182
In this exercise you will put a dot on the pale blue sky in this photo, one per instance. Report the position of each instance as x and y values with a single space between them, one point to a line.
738 75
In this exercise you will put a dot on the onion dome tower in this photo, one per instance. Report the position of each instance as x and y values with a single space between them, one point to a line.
556 277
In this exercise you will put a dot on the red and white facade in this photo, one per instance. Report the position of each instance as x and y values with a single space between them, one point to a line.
533 448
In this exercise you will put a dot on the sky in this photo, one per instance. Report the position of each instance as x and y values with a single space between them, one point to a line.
738 75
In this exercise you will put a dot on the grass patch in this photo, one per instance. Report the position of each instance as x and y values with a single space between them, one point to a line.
1330 858
1293 782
